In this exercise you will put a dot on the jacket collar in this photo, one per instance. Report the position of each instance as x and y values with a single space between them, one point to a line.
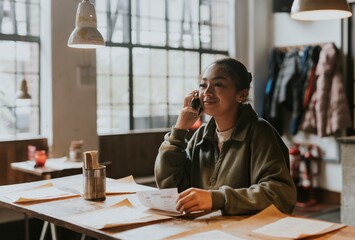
247 116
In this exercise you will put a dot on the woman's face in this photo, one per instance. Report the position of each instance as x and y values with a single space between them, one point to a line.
218 94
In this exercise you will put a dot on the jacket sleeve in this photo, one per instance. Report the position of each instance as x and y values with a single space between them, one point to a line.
271 182
172 164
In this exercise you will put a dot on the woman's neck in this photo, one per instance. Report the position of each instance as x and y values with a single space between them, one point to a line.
226 122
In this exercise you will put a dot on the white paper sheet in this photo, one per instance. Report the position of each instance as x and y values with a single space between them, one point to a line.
162 199
291 227
125 185
62 163
109 217
213 234
38 194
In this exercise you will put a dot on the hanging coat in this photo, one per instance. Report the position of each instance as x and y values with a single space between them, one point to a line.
328 111
282 98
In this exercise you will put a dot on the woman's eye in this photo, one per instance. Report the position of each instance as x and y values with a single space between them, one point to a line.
202 85
218 85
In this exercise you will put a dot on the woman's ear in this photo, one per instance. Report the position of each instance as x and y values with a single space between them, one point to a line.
242 95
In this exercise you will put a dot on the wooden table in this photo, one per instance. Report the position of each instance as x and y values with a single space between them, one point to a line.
56 211
55 167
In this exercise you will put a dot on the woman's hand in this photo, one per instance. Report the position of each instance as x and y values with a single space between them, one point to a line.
194 199
188 115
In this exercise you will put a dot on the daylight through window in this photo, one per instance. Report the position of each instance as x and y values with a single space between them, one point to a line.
154 56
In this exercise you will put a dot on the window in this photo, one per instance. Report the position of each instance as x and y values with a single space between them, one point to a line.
154 56
19 60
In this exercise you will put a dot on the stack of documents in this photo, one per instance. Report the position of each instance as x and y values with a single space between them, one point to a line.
44 192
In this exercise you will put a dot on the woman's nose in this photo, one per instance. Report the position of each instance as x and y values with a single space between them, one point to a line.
208 90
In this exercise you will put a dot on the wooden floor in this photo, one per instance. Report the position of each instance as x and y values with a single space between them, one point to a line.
326 212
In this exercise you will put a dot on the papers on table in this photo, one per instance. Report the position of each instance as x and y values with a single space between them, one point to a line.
42 193
62 163
106 218
162 199
124 185
122 213
291 227
273 224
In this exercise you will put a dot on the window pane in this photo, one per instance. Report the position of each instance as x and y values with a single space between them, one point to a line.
23 114
176 91
149 86
7 121
34 25
103 89
120 117
119 61
7 89
7 56
191 64
207 59
120 92
112 89
141 89
220 26
148 22
34 120
104 119
32 85
141 63
183 23
183 75
148 31
27 56
158 90
113 20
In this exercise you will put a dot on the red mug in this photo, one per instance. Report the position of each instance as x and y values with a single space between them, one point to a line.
41 158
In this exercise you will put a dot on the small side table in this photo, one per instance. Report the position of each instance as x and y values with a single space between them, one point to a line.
54 167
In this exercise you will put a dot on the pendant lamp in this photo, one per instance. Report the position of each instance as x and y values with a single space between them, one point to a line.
85 34
313 10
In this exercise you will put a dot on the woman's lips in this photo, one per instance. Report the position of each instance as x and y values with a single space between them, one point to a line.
209 101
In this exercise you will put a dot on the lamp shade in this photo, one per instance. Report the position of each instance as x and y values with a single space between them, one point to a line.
313 10
85 34
23 94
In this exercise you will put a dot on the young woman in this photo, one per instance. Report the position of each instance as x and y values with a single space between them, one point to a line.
237 162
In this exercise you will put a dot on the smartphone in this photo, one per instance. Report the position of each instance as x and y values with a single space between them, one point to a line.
196 104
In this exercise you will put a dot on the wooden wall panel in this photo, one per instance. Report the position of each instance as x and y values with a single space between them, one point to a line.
130 153
16 151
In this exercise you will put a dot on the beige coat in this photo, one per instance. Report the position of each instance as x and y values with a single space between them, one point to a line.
250 173
328 111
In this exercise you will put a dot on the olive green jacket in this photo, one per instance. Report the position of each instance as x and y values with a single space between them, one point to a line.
250 173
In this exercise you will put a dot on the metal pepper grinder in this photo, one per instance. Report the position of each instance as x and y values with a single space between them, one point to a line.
94 178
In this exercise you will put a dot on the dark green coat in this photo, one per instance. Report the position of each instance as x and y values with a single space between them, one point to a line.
250 173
